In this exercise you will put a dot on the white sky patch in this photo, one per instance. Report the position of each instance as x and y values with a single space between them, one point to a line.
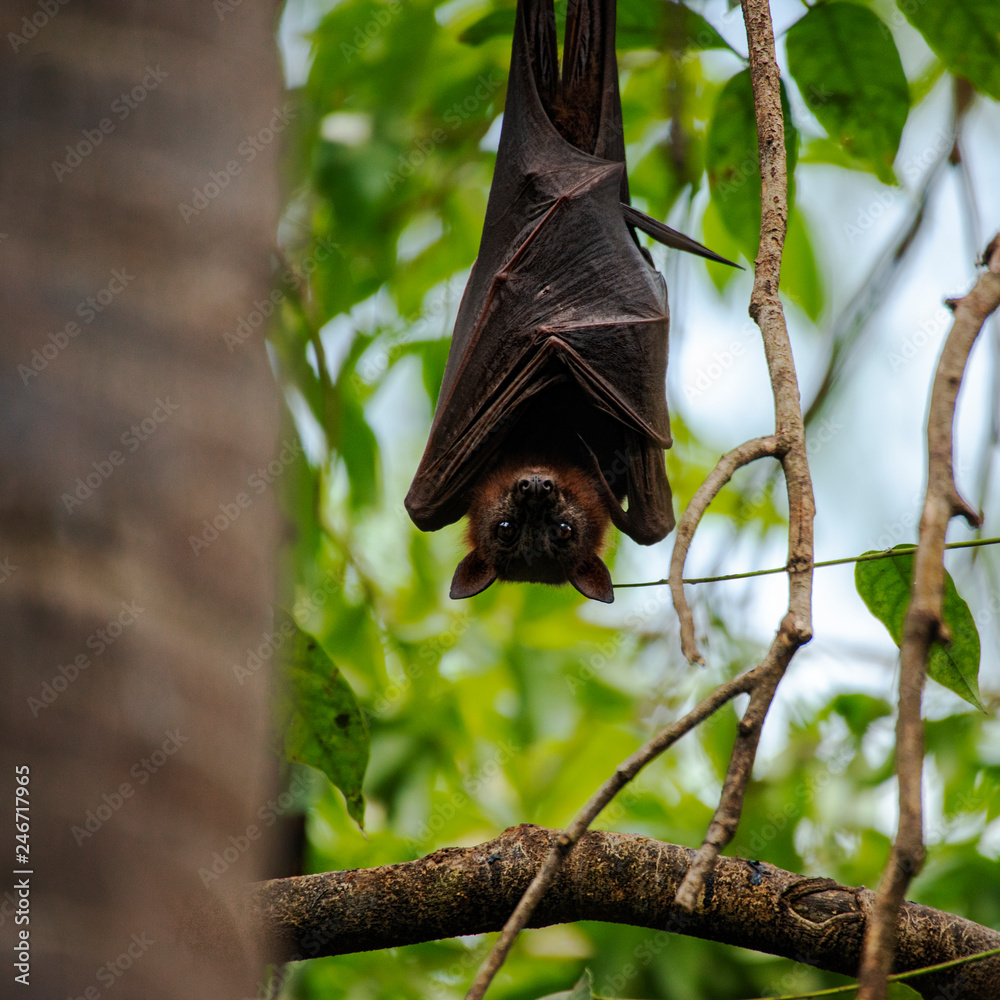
490 142
349 128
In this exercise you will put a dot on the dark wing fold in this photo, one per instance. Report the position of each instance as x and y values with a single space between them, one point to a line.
560 289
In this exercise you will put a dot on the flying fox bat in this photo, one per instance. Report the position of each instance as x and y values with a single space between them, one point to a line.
552 410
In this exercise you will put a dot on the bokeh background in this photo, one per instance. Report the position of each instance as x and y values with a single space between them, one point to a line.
513 706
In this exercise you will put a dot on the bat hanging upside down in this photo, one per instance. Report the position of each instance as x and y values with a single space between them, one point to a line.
552 410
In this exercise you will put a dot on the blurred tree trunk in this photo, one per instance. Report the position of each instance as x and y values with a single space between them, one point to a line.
128 433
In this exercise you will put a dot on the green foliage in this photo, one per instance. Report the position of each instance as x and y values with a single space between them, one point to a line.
965 34
326 728
731 160
513 706
846 66
884 585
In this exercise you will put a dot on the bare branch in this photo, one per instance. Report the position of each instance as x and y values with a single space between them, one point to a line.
722 829
923 624
747 452
618 878
766 310
566 840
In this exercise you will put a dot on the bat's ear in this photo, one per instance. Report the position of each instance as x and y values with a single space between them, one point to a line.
593 580
472 577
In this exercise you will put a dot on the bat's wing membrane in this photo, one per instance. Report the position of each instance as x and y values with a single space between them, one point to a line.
560 289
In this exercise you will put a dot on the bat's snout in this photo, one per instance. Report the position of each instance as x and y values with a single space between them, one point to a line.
535 487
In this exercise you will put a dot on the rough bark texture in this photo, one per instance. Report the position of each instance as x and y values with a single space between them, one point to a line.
126 424
619 878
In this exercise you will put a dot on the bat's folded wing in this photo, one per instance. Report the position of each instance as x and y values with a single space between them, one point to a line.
559 291
573 299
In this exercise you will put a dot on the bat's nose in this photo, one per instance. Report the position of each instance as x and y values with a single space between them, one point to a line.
535 486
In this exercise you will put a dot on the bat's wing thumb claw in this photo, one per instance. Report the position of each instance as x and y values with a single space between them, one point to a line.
670 237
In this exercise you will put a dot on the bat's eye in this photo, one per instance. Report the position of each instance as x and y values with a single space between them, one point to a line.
564 531
506 531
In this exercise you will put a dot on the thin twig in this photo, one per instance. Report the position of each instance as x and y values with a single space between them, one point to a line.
923 624
766 310
865 557
623 774
747 452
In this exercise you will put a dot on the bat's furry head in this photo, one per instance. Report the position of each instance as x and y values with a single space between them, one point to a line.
537 522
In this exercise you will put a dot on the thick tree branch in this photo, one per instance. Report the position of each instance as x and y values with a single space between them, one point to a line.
922 624
618 878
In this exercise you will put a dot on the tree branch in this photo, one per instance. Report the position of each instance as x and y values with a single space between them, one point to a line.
790 446
747 452
922 624
618 878
568 838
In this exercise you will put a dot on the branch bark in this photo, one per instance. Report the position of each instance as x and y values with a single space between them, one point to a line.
788 444
618 878
923 624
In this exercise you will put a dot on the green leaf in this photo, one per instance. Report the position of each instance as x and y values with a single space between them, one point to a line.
965 34
859 711
800 278
326 729
722 241
664 25
495 23
845 63
583 990
642 24
884 586
731 158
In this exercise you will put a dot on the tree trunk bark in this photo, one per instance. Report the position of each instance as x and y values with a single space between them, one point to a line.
138 206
